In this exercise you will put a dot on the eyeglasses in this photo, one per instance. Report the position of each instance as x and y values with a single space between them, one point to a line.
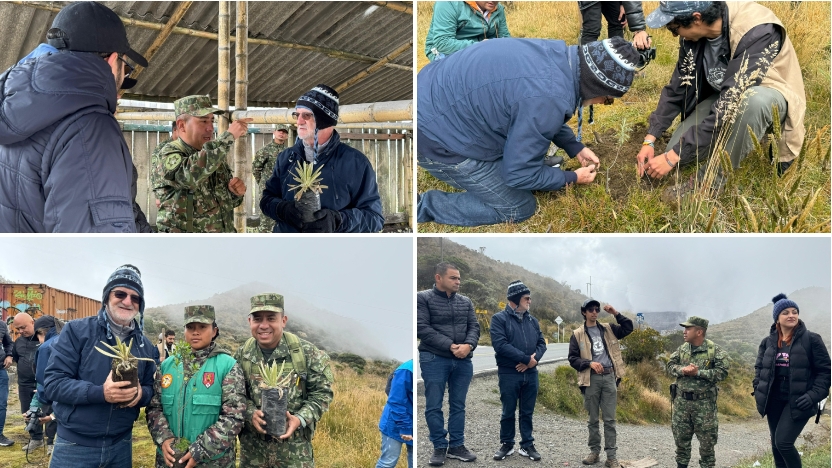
673 28
303 115
120 295
608 100
527 298
128 69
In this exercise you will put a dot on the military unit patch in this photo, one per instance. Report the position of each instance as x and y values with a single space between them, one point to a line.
207 379
167 379
172 161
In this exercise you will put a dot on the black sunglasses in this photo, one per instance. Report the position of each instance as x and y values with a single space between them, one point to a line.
120 295
128 68
593 309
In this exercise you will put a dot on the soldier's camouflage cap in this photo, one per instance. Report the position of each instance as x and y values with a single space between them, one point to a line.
271 302
695 321
200 313
198 106
282 127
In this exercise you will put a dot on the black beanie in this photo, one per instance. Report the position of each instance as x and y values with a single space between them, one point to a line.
126 276
516 291
323 102
607 68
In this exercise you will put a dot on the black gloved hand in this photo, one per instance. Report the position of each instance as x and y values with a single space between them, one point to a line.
289 214
326 220
804 402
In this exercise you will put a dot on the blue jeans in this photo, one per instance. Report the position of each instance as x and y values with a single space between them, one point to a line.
391 449
514 387
437 372
486 200
118 455
4 397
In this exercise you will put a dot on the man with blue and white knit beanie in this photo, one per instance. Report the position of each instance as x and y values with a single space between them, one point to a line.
95 414
518 347
350 201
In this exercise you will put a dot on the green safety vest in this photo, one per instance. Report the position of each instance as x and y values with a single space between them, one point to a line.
193 407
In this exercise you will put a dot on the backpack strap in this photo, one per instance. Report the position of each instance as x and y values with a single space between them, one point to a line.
248 347
298 358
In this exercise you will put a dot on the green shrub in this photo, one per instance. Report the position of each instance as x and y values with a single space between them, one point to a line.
640 345
559 391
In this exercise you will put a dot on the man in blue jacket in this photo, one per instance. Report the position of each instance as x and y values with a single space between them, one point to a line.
64 164
95 414
50 327
487 115
518 347
7 345
396 424
350 201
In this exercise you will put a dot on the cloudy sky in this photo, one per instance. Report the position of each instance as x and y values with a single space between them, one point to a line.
367 279
719 278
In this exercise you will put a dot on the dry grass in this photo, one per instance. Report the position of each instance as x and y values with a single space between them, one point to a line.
592 209
346 437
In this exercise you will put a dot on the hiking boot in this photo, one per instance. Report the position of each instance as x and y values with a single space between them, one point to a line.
591 459
5 441
49 448
504 451
438 457
612 463
32 445
461 453
679 465
553 161
529 452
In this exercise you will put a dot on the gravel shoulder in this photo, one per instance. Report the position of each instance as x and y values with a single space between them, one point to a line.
562 441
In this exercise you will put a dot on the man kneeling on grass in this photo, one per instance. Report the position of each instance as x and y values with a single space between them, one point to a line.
735 63
488 113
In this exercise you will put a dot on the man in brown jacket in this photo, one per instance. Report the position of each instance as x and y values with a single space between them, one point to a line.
595 353
735 63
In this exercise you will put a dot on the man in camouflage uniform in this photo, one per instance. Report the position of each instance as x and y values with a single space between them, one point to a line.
263 166
698 366
309 394
154 161
198 192
214 445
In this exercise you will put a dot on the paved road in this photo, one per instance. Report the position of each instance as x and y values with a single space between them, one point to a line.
484 357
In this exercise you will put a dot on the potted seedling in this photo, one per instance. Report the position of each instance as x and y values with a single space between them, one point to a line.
274 390
125 366
180 447
307 190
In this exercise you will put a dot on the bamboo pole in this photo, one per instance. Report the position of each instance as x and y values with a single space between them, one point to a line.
375 67
241 163
334 53
163 35
351 113
224 66
398 6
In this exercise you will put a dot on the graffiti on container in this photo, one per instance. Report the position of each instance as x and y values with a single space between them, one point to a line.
29 295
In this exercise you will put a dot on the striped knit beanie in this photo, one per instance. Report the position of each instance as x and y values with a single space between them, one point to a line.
125 276
323 102
516 290
607 68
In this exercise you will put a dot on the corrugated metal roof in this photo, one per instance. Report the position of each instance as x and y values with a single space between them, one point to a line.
187 65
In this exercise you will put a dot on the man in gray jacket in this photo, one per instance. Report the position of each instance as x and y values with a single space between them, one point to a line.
448 329
64 164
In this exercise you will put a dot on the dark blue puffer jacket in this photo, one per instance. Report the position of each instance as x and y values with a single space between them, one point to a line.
515 339
505 99
75 377
351 186
64 165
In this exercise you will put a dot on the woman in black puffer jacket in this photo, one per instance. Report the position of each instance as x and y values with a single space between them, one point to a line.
792 374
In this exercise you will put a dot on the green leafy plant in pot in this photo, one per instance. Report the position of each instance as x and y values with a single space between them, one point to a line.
274 391
307 190
125 366
180 447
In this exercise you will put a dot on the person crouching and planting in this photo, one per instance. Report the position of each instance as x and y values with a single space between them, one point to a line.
198 405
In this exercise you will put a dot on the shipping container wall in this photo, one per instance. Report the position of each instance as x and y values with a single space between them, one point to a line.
389 152
40 299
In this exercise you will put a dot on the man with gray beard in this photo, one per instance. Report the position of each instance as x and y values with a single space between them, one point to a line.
79 379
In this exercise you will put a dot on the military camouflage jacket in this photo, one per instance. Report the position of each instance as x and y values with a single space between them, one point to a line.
710 373
264 161
219 437
319 381
193 189
154 161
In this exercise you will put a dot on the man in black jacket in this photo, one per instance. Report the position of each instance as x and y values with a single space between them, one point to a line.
518 347
447 327
7 344
23 353
614 12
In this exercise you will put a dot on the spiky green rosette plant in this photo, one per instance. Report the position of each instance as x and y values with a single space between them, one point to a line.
308 189
123 361
273 378
274 397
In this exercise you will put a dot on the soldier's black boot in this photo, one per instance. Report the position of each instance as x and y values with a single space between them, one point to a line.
679 465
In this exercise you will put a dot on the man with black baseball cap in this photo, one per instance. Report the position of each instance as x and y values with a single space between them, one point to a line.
595 353
66 165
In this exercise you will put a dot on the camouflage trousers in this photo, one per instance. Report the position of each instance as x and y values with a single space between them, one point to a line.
695 417
258 453
266 223
229 460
